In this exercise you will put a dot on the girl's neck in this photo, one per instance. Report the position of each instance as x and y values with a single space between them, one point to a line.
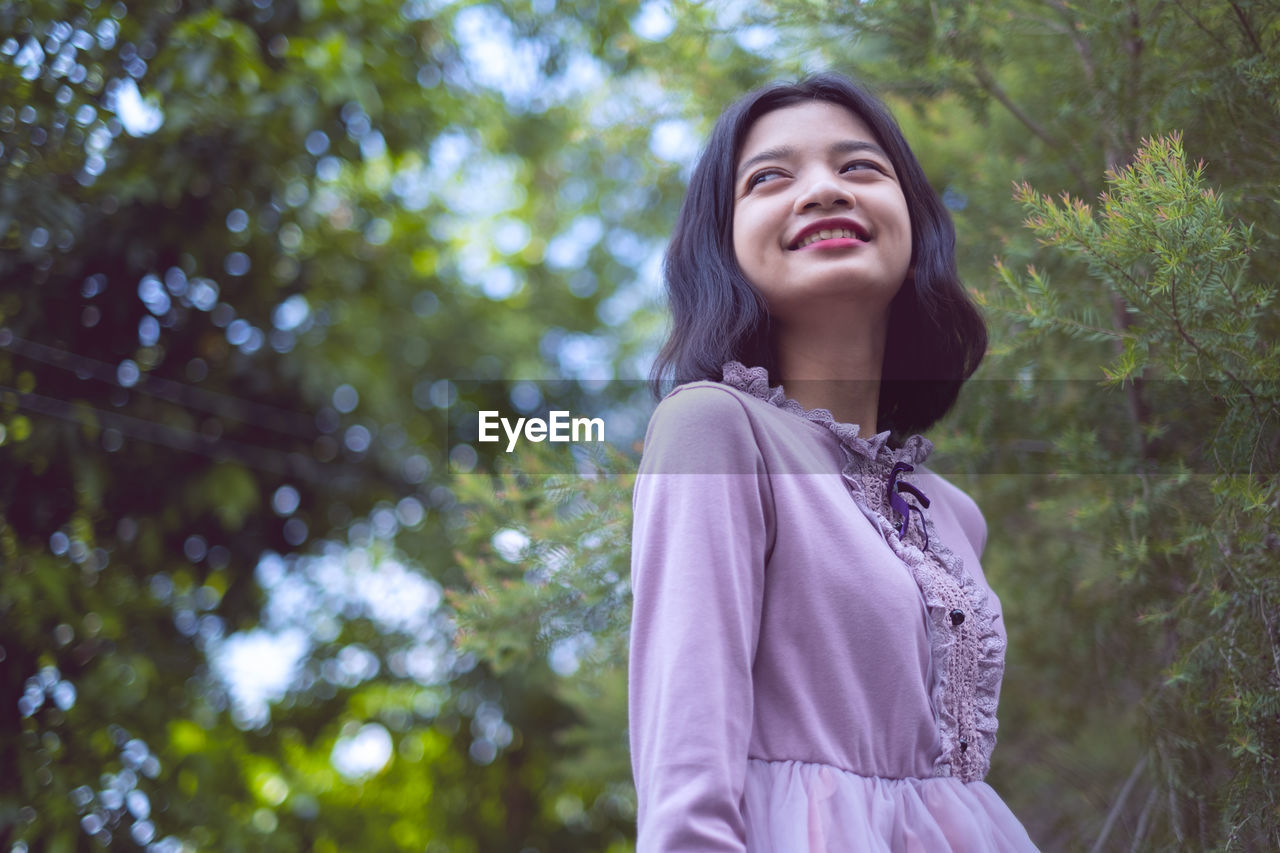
835 365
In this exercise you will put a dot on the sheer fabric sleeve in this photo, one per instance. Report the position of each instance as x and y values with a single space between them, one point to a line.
701 532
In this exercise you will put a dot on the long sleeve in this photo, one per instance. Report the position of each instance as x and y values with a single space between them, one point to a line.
703 516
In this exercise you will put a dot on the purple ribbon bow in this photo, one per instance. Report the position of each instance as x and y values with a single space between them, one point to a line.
899 504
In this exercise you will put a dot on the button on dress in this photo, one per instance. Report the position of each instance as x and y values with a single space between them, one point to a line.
811 669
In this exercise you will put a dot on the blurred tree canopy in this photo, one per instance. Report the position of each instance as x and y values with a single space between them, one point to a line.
262 263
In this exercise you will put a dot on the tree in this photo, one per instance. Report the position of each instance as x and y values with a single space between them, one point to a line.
259 262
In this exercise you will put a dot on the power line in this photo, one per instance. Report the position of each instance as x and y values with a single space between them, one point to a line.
189 396
295 464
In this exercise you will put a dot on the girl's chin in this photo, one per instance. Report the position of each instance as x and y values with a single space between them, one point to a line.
829 292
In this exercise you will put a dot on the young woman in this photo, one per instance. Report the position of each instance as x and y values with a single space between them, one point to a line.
815 654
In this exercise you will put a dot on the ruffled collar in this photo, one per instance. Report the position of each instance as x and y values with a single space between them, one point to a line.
874 448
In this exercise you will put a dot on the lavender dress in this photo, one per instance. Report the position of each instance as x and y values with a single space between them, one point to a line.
804 675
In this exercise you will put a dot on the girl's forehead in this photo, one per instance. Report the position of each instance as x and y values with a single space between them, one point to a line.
803 121
811 125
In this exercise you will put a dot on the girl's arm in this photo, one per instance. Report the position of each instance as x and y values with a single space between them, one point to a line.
702 516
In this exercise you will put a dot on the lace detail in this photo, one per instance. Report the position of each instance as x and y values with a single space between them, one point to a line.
968 652
755 381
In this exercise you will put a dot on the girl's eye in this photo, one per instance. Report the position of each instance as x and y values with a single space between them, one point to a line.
862 164
760 177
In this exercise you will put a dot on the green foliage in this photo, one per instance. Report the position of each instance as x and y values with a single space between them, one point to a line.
1162 242
1194 554
549 572
558 561
235 318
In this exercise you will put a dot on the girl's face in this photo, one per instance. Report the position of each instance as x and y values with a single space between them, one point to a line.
818 212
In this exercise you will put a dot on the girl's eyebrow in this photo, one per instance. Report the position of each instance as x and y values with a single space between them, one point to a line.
844 146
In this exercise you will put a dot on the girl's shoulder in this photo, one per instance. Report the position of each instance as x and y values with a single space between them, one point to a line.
706 402
949 498
703 427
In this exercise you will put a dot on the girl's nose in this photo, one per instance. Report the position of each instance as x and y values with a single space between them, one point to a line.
823 192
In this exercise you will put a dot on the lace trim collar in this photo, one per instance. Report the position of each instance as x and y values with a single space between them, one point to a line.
874 448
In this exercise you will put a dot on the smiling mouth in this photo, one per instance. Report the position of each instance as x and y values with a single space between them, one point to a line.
827 234
839 232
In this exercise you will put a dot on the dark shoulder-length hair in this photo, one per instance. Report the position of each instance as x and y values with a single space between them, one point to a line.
936 337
